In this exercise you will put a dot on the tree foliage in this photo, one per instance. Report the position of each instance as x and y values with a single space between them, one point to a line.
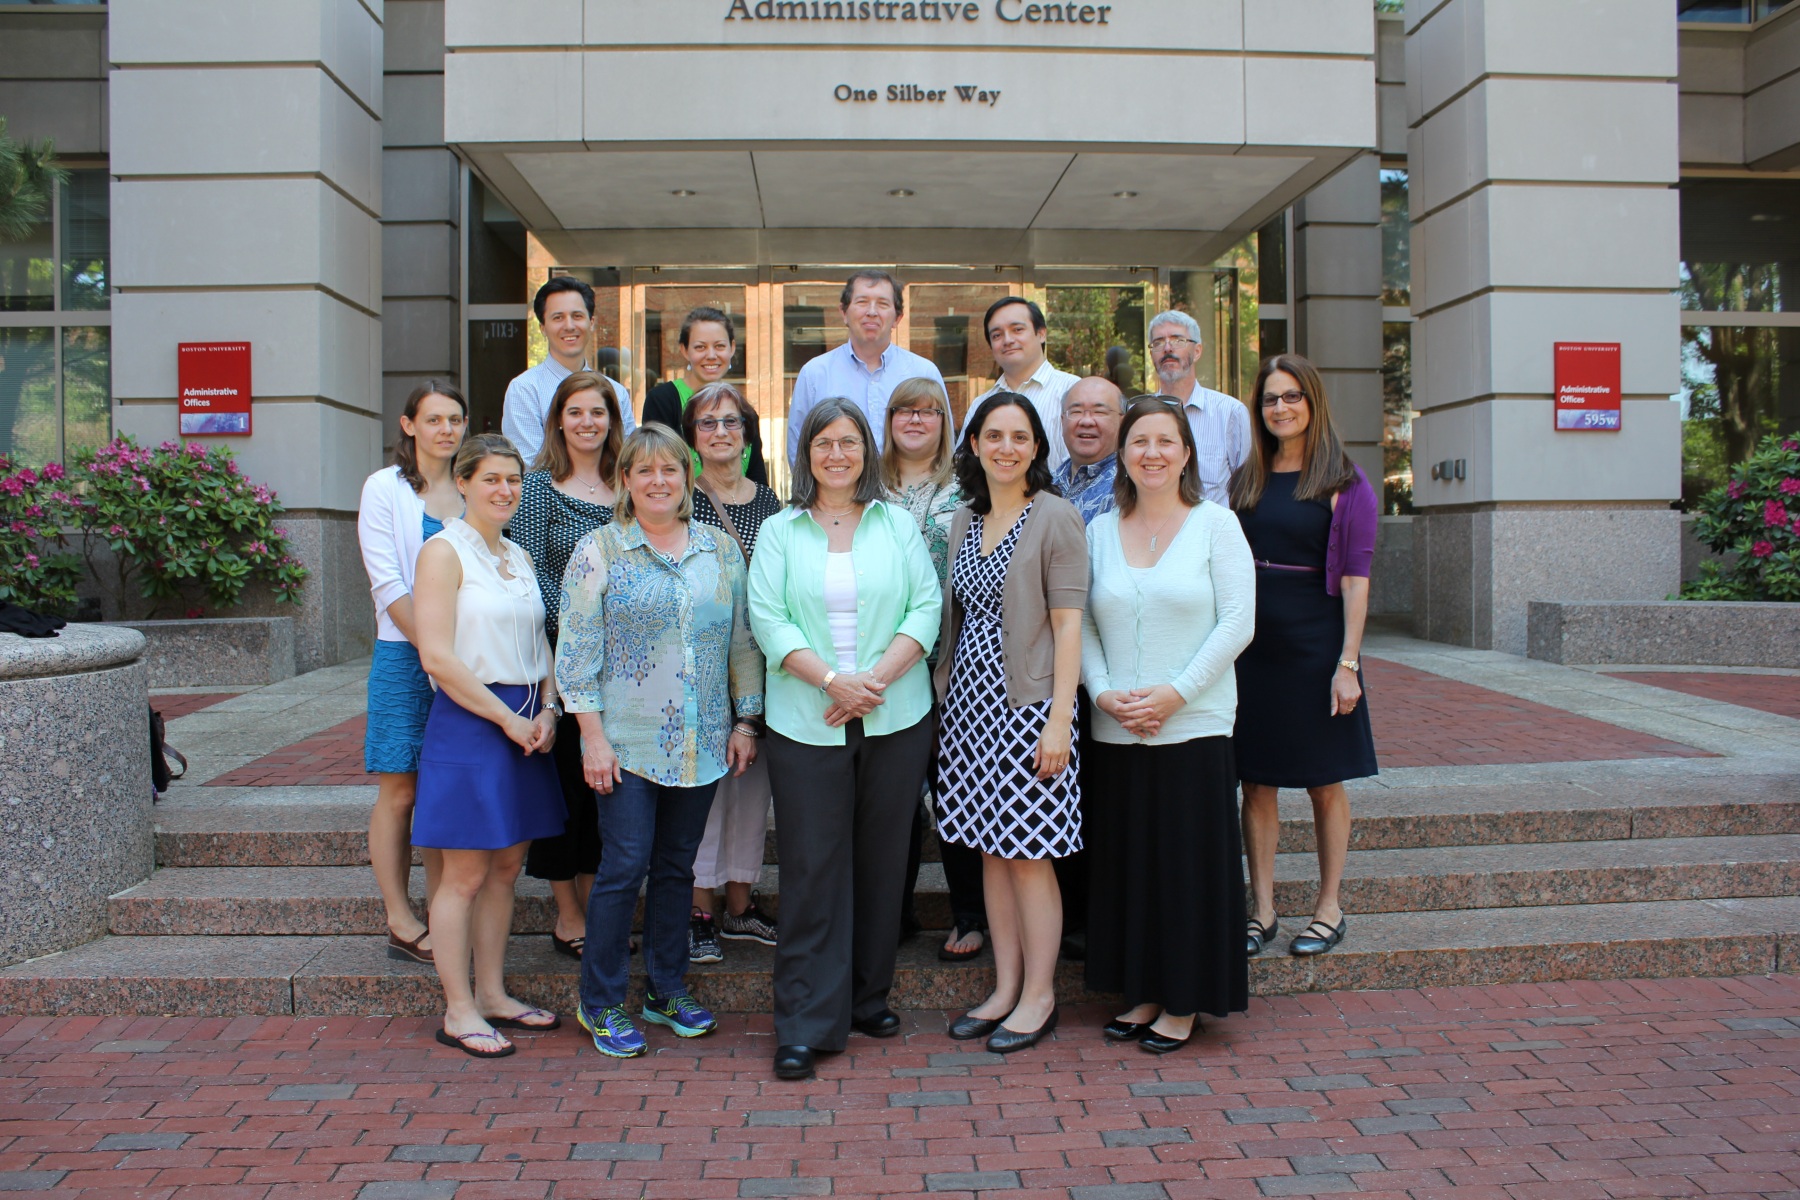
28 178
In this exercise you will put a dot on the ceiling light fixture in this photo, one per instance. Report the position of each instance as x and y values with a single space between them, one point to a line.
1124 195
903 193
681 192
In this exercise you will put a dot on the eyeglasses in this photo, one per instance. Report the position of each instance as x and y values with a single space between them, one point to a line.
1096 413
728 424
1291 399
918 416
1171 343
845 446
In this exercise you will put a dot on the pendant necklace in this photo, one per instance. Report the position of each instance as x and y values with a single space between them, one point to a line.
1161 528
836 518
592 488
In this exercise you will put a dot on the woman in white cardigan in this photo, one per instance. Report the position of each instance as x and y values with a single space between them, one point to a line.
403 505
1171 604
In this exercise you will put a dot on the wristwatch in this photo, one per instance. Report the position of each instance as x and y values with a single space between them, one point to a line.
1350 664
554 707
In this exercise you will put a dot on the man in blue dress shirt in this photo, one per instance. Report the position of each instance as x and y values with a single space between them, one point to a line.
866 369
565 309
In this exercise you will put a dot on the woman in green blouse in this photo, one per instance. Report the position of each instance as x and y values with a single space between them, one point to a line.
845 605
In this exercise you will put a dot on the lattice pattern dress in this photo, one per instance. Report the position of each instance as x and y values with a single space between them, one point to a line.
988 793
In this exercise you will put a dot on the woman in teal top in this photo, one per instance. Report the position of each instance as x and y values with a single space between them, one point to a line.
845 604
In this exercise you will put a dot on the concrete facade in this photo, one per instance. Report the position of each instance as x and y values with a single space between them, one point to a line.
246 205
1543 210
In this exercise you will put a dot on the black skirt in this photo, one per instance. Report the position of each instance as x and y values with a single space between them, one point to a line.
1166 905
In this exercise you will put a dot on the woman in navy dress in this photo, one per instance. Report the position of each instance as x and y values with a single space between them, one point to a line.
1311 518
486 783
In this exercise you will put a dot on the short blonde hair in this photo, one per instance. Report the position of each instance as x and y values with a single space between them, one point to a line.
653 441
911 393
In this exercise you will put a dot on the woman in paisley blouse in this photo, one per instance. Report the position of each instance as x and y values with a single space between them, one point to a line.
569 494
917 468
657 662
717 423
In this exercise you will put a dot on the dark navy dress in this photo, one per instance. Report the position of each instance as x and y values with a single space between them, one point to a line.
1285 735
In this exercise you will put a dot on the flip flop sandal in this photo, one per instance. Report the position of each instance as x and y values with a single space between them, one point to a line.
948 955
570 948
461 1042
518 1021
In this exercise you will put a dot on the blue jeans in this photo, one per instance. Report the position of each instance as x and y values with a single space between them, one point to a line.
647 830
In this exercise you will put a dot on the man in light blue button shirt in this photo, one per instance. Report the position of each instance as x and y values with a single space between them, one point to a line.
1221 424
565 309
866 369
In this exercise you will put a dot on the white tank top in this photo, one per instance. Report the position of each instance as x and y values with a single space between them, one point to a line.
840 608
499 621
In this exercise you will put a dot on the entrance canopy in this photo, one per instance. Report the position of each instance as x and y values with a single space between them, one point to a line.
747 132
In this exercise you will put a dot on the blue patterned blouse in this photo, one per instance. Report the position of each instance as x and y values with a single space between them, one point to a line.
662 648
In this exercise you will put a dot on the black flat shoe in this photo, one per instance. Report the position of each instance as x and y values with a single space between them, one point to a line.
793 1062
1157 1043
1317 938
966 1028
1005 1041
1259 935
1125 1031
884 1024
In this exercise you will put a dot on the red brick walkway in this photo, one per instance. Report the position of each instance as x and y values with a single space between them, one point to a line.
331 757
1420 719
1425 720
1686 1087
180 704
1778 694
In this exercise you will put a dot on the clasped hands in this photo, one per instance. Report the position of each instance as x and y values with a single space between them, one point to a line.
533 735
853 697
1141 711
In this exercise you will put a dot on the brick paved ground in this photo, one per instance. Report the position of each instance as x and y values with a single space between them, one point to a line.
1565 1091
1420 719
332 757
1426 720
180 704
1778 694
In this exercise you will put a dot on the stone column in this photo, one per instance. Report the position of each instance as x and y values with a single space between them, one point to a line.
1337 280
420 251
246 206
1543 150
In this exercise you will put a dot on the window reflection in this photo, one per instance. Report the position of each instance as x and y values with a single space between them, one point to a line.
28 394
86 240
1396 239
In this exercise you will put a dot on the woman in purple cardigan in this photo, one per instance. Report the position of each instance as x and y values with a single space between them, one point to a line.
1310 517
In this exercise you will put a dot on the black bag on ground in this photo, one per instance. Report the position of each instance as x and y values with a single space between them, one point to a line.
160 754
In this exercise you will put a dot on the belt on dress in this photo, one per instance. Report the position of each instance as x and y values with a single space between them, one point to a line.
1275 566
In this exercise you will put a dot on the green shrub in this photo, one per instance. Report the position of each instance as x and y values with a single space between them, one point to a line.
1755 515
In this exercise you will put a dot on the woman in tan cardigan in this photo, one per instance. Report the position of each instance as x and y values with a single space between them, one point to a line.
1006 769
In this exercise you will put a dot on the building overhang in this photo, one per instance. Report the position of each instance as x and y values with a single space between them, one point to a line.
700 132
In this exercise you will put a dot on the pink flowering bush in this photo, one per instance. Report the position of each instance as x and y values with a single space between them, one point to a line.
37 568
180 517
1755 516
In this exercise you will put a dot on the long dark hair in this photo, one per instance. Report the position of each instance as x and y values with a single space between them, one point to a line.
406 451
969 475
1325 468
553 455
1124 487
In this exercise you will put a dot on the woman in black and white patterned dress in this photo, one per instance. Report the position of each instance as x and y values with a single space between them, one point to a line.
1006 770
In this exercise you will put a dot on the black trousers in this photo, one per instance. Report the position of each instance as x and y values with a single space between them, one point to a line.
575 851
1072 872
842 819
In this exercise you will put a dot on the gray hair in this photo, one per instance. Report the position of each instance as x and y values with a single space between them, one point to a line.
805 491
1175 317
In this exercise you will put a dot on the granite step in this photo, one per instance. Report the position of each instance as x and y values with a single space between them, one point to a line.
344 901
207 976
334 901
323 835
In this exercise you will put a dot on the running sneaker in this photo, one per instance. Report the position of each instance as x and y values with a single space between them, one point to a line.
680 1013
614 1034
703 939
751 925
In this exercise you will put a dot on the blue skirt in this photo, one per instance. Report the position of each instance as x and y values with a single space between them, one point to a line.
399 700
477 790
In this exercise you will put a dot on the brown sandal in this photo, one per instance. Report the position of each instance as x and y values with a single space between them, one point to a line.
410 951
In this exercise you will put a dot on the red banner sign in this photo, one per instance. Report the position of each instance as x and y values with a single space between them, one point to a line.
1587 386
214 381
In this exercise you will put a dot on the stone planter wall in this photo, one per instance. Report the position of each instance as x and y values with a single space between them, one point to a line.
1710 633
217 651
75 793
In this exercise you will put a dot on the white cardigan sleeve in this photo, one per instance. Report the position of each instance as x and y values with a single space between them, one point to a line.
390 542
